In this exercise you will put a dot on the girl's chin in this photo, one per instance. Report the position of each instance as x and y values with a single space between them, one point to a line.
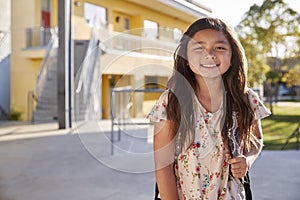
210 76
207 72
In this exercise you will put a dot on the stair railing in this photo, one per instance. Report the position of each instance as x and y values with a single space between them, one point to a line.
295 134
42 73
51 54
88 74
31 102
3 114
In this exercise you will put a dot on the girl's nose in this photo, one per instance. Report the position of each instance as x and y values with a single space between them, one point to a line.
210 55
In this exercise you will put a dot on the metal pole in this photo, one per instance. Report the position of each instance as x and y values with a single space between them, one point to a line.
298 133
71 79
64 64
112 116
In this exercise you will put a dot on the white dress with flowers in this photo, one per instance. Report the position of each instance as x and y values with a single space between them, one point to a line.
202 171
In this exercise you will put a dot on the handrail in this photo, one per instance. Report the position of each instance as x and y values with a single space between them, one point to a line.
42 73
38 36
86 69
295 133
51 52
31 99
118 120
88 75
124 41
3 113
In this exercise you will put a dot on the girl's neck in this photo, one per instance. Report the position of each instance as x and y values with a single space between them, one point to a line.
210 92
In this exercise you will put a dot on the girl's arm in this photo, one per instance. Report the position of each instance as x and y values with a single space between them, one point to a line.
256 141
164 159
241 164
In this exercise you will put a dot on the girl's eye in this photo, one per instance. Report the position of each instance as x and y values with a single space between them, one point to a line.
199 49
221 48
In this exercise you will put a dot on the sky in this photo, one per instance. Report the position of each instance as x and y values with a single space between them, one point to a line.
231 11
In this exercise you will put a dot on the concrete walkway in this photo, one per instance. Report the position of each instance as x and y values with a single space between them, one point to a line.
40 162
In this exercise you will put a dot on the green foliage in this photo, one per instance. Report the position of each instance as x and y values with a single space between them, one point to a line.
269 30
257 67
270 33
277 128
15 115
272 76
292 78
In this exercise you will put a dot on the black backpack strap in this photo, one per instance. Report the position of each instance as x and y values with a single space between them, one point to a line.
247 187
156 192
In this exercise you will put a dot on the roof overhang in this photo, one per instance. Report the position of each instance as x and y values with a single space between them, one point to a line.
187 10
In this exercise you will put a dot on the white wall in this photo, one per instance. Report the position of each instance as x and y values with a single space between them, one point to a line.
5 15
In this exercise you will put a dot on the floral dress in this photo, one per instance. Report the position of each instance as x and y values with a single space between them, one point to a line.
202 171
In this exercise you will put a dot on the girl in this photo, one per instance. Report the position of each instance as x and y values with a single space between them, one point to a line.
206 115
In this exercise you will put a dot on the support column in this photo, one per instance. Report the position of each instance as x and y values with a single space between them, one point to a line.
64 64
139 83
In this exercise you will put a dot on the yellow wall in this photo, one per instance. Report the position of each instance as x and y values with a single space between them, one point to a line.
23 71
116 81
118 20
105 98
25 62
136 13
54 13
162 83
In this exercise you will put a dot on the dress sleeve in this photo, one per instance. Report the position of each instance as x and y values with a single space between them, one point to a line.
158 111
257 105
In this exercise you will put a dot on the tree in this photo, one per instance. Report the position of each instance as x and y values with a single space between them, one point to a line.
292 79
257 67
273 29
269 31
272 78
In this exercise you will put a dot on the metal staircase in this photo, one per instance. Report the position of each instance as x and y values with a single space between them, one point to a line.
46 109
45 92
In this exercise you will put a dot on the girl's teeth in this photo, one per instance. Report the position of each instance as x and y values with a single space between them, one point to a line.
209 65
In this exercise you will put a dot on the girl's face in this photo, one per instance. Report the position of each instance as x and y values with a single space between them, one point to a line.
209 53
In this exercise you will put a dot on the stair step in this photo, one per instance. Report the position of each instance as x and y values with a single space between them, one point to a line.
45 106
47 99
45 95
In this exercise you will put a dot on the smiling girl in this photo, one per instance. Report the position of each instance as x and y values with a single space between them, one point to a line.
207 123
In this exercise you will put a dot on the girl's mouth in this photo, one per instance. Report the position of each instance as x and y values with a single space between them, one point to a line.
209 65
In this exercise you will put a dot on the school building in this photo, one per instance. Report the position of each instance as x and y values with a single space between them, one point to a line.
124 44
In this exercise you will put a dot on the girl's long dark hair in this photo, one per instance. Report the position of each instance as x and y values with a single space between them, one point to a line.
182 85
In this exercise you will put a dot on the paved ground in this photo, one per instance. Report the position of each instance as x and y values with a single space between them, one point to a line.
39 162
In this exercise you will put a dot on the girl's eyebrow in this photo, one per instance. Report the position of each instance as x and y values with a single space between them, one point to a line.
216 42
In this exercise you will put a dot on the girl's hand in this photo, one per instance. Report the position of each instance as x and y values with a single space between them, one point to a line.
239 166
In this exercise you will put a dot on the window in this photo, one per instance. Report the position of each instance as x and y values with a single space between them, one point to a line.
95 14
177 33
126 24
151 82
150 29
